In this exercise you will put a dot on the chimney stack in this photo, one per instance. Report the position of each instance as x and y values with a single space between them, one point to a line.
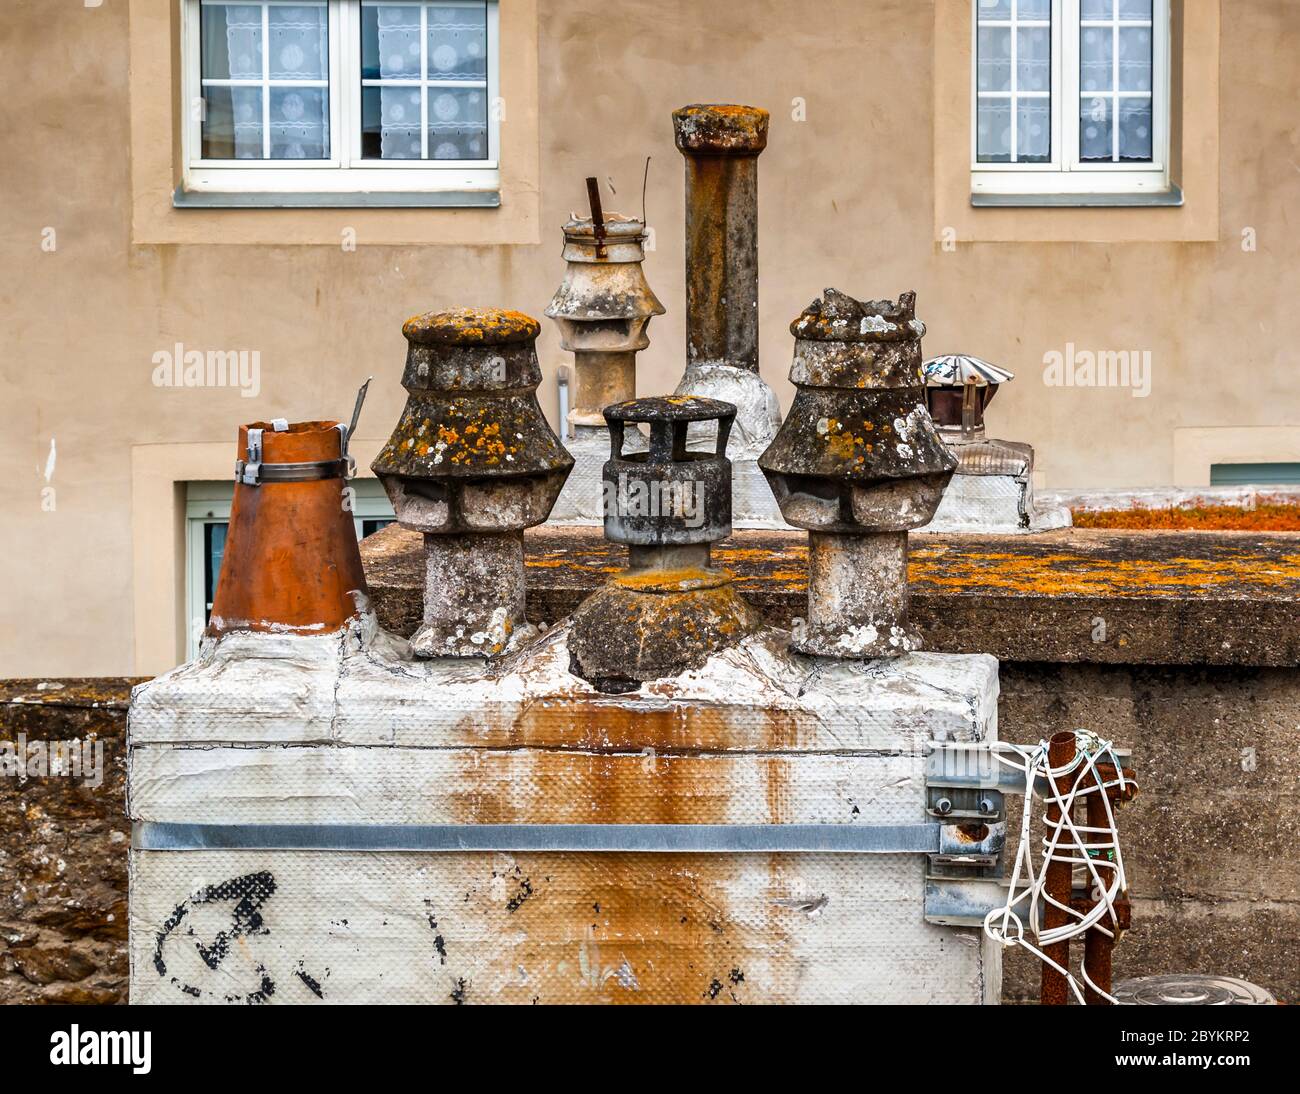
291 564
603 309
721 145
670 610
471 464
858 463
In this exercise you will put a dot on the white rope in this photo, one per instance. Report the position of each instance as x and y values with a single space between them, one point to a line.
1097 849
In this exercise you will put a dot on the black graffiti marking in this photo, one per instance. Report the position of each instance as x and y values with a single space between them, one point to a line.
249 893
525 891
313 985
439 943
264 991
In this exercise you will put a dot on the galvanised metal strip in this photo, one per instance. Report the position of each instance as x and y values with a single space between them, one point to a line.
895 839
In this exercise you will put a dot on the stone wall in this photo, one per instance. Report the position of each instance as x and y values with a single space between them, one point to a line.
1208 840
63 847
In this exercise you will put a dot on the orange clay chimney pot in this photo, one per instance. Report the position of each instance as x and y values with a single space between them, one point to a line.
291 562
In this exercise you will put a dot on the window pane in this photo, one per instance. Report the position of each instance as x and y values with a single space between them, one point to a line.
1135 59
994 9
370 526
299 123
1135 9
231 41
457 124
425 81
994 64
214 548
1096 59
1033 59
993 131
390 123
299 39
1034 130
232 123
458 43
1097 9
271 52
1096 140
1135 130
397 43
1034 9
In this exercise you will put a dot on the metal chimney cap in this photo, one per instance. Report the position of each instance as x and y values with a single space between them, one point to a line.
671 408
720 129
471 327
837 317
959 369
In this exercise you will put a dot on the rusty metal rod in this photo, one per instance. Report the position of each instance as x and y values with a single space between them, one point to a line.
1053 988
597 216
1097 946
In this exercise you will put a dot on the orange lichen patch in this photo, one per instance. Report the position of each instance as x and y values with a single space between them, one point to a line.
472 433
721 129
472 327
680 580
772 566
1219 518
1069 574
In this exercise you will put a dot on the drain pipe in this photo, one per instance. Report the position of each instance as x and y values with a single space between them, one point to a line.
857 463
471 464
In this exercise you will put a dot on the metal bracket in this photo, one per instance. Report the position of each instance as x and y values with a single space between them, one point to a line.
963 878
249 471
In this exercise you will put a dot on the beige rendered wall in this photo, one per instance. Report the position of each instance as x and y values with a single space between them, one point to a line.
851 197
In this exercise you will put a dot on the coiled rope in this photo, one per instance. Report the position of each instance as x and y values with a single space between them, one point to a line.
1096 849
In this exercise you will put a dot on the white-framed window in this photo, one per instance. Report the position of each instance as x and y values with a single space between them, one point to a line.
207 516
1070 97
340 96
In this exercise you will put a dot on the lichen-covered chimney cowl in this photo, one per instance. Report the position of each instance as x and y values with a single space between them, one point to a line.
471 464
858 462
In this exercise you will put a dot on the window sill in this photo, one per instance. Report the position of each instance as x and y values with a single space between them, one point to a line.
1171 198
396 199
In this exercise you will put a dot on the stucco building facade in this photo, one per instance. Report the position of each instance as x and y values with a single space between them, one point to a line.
113 271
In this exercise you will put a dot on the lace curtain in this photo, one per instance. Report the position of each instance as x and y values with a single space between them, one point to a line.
454 82
297 48
1116 71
